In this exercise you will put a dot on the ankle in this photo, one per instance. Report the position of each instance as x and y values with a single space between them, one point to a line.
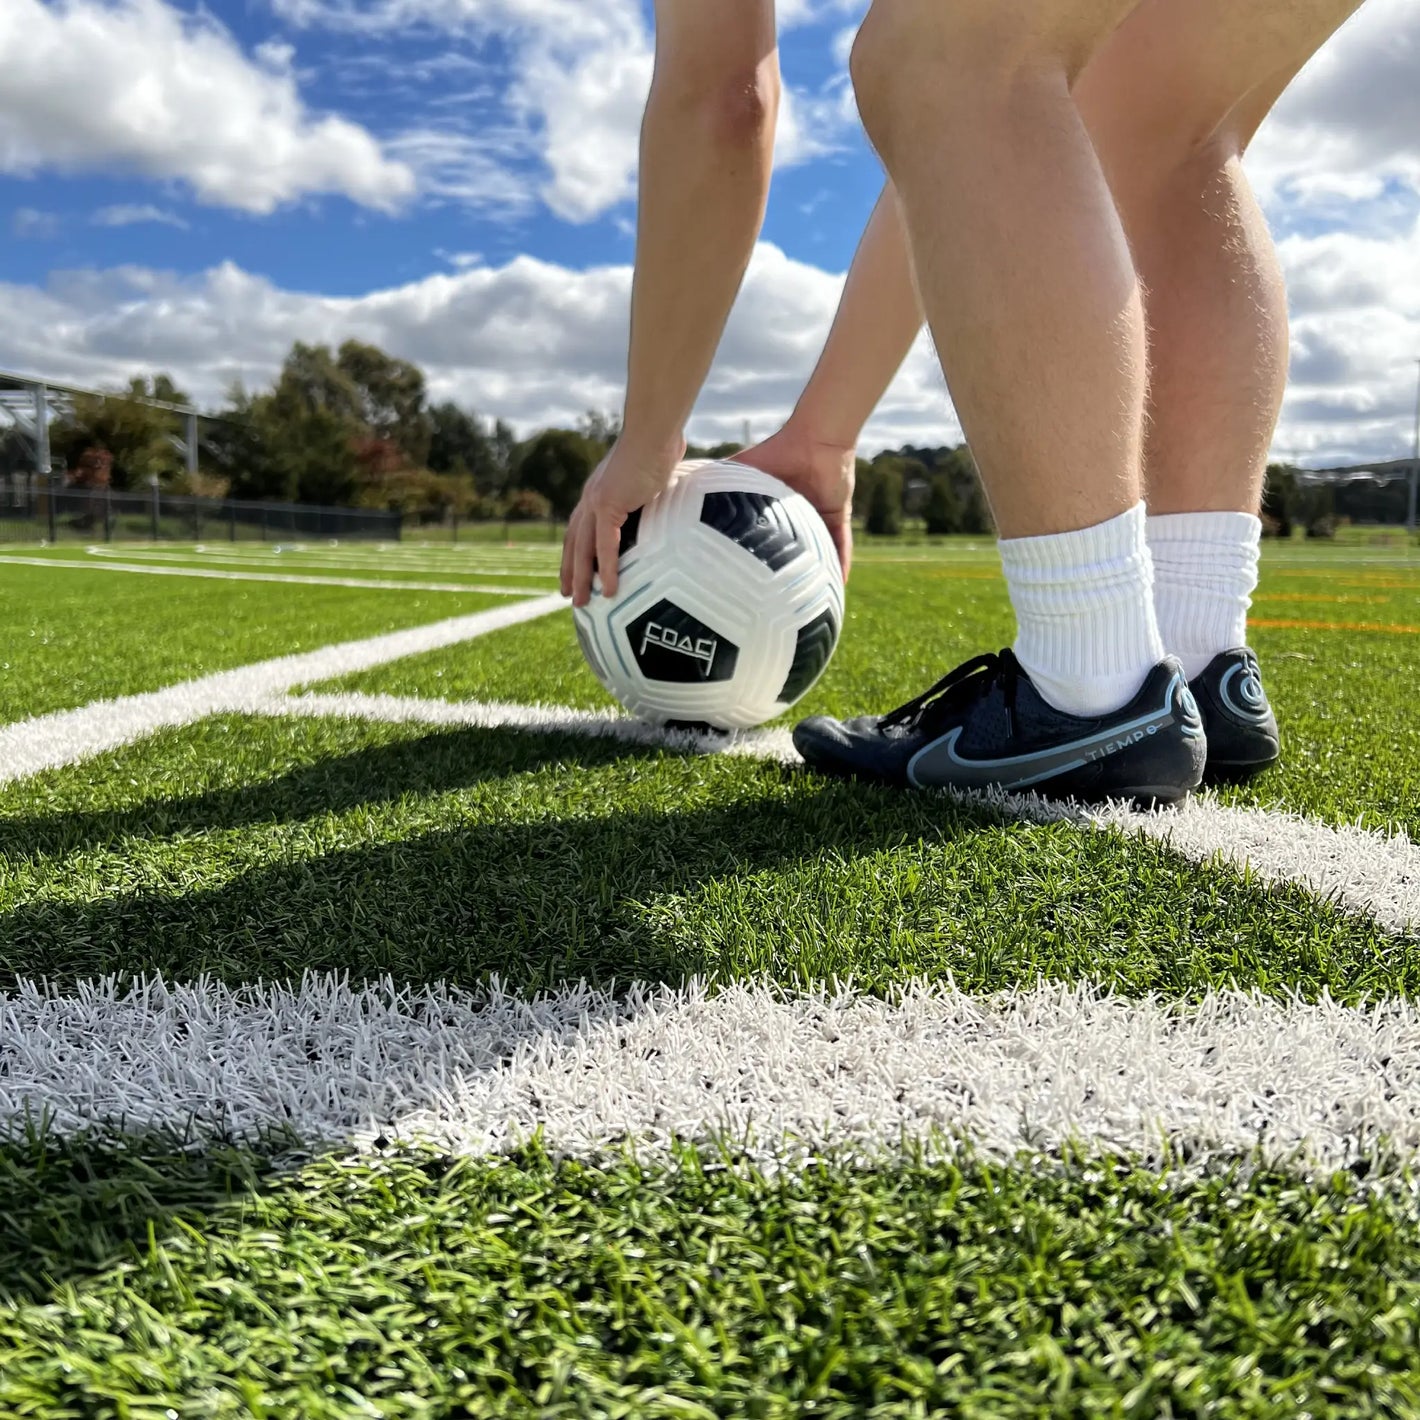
1087 634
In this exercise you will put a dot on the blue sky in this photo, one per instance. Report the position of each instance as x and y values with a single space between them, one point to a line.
193 188
392 82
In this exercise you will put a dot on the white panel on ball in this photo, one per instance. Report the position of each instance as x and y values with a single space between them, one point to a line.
730 603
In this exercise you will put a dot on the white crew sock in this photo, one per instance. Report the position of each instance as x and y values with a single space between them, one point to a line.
1205 571
1087 633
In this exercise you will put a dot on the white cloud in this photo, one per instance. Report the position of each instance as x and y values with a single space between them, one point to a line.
473 170
579 78
530 341
30 222
1355 339
133 214
538 344
137 86
1350 124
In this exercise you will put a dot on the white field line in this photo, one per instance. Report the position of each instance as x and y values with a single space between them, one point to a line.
68 736
275 561
540 719
1365 871
225 575
1315 1086
1377 873
543 551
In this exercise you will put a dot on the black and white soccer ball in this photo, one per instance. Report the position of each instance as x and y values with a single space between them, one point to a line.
729 606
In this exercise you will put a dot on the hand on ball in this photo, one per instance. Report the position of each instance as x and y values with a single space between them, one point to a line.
623 482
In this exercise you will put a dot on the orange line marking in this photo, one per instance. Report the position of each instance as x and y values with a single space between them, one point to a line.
1321 597
1286 624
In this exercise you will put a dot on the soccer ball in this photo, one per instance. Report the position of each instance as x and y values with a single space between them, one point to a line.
729 605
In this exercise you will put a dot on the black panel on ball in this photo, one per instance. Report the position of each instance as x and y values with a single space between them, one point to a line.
671 645
811 655
630 531
758 522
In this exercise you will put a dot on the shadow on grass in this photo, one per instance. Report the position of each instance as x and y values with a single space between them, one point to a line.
536 902
431 763
70 1208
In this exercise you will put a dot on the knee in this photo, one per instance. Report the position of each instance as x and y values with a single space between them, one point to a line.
975 44
1149 152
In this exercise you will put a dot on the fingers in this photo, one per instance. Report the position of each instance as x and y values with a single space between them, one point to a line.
842 534
569 547
608 544
582 555
592 547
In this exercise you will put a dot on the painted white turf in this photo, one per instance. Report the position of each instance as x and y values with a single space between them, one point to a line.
68 736
1316 1086
222 574
1313 1086
275 560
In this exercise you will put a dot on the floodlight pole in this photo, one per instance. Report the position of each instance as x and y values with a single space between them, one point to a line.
44 464
1415 462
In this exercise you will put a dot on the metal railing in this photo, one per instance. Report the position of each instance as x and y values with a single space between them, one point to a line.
32 511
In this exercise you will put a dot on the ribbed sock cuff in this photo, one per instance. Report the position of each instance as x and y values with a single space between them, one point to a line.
1087 636
1205 571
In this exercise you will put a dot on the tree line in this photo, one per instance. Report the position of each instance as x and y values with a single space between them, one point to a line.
355 427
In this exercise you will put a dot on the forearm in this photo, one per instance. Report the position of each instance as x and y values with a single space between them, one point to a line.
706 161
877 322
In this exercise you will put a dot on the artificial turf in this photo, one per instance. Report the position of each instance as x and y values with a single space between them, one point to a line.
415 1284
1344 697
255 847
144 1278
68 638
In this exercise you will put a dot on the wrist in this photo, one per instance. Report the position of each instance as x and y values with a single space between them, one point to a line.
650 446
823 435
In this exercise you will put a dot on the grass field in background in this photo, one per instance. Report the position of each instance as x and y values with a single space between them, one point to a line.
148 1274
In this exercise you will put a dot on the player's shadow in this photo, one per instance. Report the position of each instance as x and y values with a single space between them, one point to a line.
450 760
537 901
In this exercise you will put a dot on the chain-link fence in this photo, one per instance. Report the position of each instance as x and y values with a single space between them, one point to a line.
32 511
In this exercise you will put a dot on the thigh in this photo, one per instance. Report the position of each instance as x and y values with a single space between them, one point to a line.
1186 72
979 37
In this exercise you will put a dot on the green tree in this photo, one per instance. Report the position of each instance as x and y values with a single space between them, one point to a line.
238 443
885 500
556 464
390 396
601 426
504 445
1280 503
943 512
525 506
976 511
310 422
139 437
460 445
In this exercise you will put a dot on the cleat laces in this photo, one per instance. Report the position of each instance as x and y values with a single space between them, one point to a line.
957 689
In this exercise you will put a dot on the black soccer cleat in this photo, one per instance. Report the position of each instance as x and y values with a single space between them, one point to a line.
1243 738
985 726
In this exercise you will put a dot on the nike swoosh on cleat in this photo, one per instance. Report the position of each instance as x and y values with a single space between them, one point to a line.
941 760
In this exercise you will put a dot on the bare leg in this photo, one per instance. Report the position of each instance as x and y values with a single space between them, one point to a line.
1021 259
877 321
1172 101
